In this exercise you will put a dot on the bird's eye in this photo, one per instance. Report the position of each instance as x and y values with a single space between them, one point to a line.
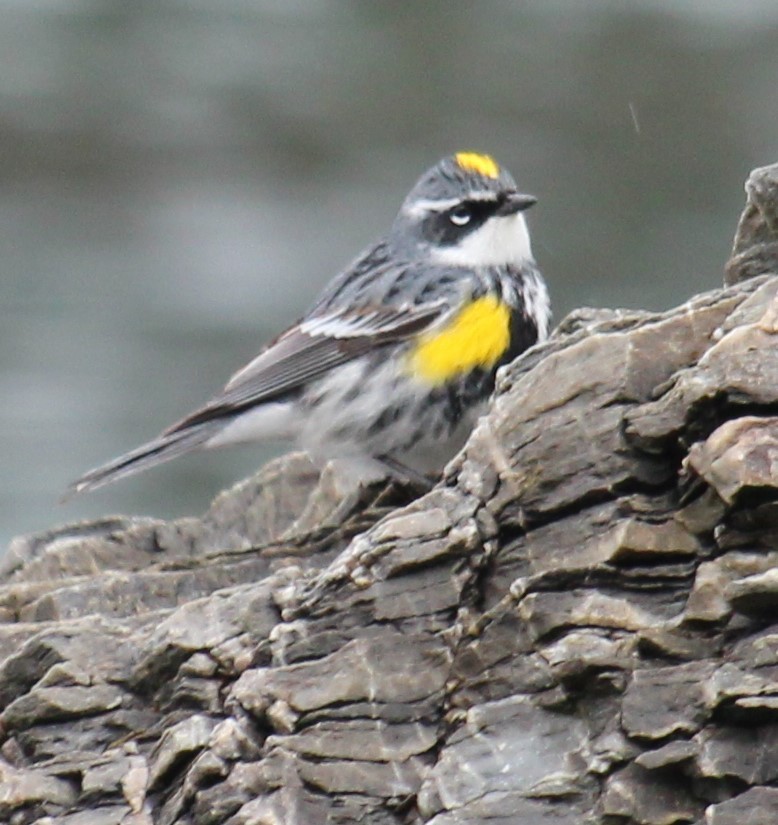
460 216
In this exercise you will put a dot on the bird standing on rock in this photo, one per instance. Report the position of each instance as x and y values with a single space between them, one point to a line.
394 362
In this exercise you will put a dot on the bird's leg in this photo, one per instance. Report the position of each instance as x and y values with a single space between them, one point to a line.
407 474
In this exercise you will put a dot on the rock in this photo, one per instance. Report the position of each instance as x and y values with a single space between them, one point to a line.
660 702
756 594
510 746
647 798
748 754
755 250
739 458
755 805
362 670
707 602
178 743
48 704
673 753
29 788
576 624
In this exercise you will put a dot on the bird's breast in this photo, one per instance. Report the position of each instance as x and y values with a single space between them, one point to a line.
476 337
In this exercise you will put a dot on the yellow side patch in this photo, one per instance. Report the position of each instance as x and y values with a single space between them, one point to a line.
482 164
477 337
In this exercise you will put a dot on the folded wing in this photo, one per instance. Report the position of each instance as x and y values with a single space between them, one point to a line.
305 352
308 351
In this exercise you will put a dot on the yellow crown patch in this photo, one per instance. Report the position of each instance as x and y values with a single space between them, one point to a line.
482 164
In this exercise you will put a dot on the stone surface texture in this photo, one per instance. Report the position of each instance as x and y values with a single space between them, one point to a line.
578 624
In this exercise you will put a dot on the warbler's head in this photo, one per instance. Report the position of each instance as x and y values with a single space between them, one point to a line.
466 211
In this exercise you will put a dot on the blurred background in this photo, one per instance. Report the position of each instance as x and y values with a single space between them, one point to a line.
178 178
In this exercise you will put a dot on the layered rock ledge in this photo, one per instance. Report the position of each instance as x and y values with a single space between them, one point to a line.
578 624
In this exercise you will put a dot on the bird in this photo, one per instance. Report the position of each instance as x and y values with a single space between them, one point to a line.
390 368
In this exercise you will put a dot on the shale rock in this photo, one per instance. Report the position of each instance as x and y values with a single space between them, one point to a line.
576 625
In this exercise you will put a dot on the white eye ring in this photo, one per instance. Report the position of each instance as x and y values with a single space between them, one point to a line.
461 216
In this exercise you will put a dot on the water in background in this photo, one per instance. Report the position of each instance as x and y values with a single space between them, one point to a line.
178 178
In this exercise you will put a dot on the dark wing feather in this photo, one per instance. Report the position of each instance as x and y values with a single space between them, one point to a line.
308 351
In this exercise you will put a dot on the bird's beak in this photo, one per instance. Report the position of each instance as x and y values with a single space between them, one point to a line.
514 202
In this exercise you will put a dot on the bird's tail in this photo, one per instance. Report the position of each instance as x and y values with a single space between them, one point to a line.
168 446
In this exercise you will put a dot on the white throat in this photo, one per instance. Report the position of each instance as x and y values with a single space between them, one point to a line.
501 240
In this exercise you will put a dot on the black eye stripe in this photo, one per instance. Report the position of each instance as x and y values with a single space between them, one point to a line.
477 209
478 212
442 228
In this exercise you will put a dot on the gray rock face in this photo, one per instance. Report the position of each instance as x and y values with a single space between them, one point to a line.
756 243
576 625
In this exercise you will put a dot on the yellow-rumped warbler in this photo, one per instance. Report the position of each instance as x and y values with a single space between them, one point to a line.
395 360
